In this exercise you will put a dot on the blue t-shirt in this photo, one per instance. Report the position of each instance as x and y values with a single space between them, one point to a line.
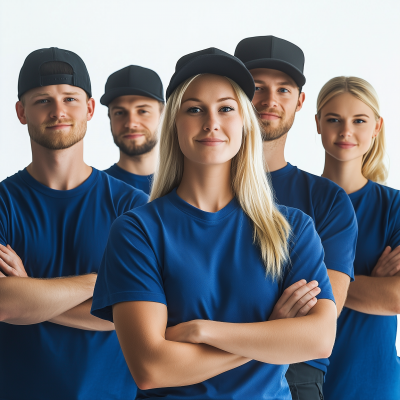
205 265
364 361
333 215
62 233
142 182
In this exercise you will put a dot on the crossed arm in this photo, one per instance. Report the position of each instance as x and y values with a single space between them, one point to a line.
378 294
197 350
63 301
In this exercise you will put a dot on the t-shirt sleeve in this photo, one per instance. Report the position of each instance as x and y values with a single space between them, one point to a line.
3 222
394 239
129 270
307 259
338 234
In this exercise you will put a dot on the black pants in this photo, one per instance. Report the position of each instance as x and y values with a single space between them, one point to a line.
305 382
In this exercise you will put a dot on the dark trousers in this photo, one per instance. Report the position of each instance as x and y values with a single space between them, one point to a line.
305 382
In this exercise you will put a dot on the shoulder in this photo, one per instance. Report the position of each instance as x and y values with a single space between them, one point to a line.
298 220
124 196
388 197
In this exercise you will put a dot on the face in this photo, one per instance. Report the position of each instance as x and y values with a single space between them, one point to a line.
347 126
209 123
134 121
276 99
56 115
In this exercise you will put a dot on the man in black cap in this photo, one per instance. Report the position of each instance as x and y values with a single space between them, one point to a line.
135 100
55 216
277 68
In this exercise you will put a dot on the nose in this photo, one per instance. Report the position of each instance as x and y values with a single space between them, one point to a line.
58 110
347 129
132 121
268 99
211 123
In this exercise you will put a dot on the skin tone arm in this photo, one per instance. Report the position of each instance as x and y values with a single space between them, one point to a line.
378 294
64 301
283 341
340 285
155 361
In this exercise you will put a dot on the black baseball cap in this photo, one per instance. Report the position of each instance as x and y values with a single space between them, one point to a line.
30 76
212 61
272 52
133 79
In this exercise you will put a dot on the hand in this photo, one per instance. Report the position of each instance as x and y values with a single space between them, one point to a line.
186 332
296 301
10 263
388 263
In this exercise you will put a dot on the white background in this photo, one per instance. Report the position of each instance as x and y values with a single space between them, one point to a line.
340 37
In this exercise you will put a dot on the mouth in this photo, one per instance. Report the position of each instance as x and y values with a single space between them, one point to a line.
132 136
345 145
211 142
269 116
58 127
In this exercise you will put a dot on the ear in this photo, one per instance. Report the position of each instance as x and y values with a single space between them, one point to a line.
90 108
20 109
300 101
378 127
318 125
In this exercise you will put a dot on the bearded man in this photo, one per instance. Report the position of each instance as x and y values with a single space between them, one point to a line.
55 216
135 100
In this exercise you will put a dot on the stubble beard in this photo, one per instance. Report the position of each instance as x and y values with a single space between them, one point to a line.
58 140
270 134
131 149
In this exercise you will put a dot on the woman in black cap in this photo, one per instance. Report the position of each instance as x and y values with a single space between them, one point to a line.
191 278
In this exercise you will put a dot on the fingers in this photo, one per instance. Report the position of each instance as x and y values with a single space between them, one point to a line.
303 300
305 309
2 275
289 291
10 248
389 264
5 268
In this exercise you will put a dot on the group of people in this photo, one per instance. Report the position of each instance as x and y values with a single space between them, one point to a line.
202 265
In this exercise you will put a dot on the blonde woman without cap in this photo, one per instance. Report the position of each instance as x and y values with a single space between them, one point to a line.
191 279
364 362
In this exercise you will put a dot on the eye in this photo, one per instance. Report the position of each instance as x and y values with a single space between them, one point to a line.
117 113
70 99
258 89
283 90
333 120
226 109
41 101
143 112
194 110
359 121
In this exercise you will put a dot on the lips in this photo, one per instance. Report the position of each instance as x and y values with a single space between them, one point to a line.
59 126
211 142
269 116
345 145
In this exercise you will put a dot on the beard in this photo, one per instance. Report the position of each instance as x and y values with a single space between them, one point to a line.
270 133
130 148
58 140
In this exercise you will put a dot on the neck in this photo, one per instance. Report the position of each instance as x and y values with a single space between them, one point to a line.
59 169
346 174
274 153
145 164
207 187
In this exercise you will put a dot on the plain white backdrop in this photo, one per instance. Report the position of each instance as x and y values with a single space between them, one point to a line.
341 37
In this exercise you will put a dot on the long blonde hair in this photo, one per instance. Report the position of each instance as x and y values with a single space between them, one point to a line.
249 180
373 162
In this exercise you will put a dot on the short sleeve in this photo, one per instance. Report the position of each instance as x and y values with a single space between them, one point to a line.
129 270
338 234
394 239
307 258
3 222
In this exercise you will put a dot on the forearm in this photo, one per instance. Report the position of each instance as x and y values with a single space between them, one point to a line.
340 286
79 317
25 301
374 295
283 341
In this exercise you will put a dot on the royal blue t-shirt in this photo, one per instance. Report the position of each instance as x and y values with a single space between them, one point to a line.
205 266
142 182
62 233
364 361
333 215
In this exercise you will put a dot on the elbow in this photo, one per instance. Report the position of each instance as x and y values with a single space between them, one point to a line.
146 376
326 343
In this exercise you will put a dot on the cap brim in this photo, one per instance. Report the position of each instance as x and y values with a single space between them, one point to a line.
279 65
112 94
215 64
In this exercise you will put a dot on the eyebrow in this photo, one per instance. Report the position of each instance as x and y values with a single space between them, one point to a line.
47 94
283 83
218 101
338 115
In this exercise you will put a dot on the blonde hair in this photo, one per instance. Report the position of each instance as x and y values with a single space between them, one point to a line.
373 162
249 180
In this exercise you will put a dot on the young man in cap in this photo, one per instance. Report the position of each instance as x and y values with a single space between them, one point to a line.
55 217
135 100
277 69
